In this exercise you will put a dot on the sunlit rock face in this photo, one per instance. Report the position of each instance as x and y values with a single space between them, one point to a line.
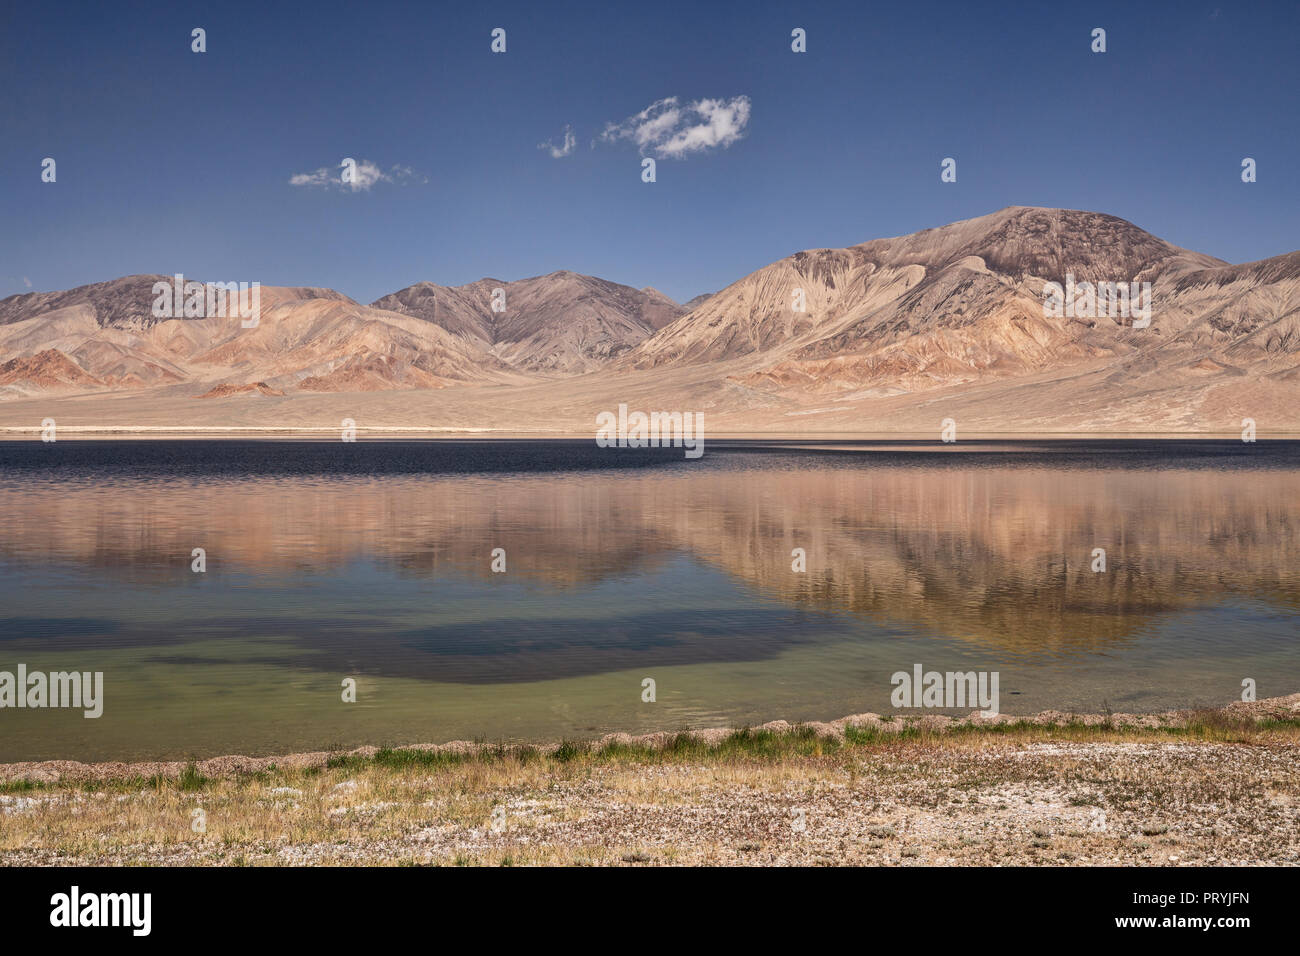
887 336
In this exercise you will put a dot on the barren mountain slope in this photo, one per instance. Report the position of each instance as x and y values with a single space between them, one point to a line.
562 322
897 334
106 335
941 306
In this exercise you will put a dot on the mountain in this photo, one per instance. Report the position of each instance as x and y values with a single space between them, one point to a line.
562 322
426 336
894 335
121 303
106 336
46 369
949 305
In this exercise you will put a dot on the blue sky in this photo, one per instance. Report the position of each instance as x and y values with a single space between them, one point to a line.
171 161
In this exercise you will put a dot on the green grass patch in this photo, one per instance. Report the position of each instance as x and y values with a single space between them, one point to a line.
20 786
800 742
743 744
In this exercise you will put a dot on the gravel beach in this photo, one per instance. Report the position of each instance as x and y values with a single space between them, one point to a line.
1210 787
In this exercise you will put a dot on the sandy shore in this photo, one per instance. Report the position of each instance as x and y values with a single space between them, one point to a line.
1181 788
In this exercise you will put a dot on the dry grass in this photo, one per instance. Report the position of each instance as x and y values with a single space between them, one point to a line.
1220 788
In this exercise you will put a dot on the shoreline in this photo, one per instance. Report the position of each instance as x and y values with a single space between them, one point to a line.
229 766
1188 788
391 432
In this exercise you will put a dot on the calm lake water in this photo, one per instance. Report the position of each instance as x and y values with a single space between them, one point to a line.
372 560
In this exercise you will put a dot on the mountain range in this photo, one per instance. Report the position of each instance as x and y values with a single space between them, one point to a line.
890 332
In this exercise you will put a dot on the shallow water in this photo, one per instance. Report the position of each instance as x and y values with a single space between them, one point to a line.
371 560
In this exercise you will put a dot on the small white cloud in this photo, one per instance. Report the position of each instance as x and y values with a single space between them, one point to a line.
559 152
366 176
319 178
670 130
404 175
27 282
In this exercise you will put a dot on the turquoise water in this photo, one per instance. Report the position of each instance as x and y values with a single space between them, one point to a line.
373 562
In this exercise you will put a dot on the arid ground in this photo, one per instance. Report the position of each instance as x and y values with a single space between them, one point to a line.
1191 789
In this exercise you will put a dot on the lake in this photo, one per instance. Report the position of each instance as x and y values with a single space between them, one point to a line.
373 561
